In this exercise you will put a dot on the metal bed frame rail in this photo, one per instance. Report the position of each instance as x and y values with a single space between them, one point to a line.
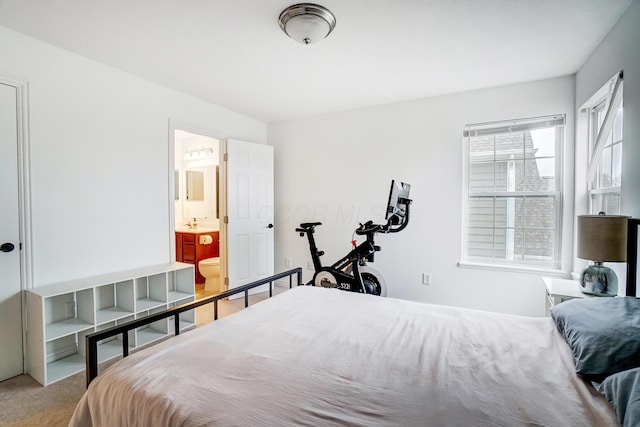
93 339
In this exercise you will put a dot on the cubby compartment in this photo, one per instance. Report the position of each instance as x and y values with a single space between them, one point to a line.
68 313
65 355
111 348
153 331
114 301
61 315
187 319
180 285
151 292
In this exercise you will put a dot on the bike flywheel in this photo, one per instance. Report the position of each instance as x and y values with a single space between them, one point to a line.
325 279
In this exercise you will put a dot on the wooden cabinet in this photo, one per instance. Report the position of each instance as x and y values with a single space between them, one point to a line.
191 249
59 316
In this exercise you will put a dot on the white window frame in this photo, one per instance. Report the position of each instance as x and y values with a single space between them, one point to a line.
609 99
553 266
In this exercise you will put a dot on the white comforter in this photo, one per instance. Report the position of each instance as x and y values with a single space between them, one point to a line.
315 356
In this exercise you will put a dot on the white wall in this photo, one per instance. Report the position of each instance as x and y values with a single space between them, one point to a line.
337 169
100 159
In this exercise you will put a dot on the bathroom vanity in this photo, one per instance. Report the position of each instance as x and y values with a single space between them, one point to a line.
192 247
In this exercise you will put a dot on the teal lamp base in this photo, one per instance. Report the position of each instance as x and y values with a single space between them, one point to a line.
599 280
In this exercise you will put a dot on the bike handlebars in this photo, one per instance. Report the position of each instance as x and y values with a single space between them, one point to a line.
369 228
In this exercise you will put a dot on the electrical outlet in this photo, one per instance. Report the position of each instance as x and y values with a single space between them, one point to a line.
426 278
310 265
287 262
70 309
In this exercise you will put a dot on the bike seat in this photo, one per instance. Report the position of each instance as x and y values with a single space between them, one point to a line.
308 225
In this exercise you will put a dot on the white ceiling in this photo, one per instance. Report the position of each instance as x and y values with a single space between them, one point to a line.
233 53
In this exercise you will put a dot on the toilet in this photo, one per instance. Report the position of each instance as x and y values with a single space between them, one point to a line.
210 269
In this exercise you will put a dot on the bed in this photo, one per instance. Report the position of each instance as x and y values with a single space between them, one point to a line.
318 356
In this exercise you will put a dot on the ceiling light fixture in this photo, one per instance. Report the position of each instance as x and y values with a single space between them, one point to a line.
307 23
198 153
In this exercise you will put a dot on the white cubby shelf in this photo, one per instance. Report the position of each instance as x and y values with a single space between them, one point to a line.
61 315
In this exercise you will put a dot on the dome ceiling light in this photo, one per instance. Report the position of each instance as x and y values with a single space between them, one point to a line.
307 23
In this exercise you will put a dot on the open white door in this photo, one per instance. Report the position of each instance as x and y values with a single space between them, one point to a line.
250 213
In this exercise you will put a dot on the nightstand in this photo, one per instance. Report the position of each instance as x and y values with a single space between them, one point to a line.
560 290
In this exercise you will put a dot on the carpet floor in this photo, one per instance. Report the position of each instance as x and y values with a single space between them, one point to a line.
25 403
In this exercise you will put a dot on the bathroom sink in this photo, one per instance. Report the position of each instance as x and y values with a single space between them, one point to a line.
196 230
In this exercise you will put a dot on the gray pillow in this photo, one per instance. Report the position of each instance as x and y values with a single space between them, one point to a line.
622 390
603 333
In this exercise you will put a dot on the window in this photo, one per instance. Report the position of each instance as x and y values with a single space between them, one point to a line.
604 173
512 191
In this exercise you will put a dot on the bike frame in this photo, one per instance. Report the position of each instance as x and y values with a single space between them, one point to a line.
365 251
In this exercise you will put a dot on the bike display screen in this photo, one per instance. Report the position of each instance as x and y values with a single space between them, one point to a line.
396 206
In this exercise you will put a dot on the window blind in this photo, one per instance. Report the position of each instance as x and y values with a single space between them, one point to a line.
513 126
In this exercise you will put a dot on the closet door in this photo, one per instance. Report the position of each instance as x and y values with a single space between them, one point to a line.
11 362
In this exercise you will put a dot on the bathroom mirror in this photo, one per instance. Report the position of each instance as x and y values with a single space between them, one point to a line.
199 195
194 185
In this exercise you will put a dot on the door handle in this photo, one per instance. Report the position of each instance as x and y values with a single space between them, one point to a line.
270 226
7 247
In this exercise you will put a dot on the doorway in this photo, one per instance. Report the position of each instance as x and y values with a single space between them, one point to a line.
244 211
196 206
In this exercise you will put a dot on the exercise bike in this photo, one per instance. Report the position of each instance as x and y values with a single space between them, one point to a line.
351 272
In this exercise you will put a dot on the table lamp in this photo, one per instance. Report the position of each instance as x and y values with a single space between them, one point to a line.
601 238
